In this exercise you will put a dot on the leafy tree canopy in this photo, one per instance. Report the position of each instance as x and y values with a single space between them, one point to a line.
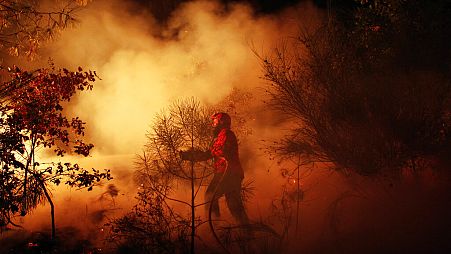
32 119
25 24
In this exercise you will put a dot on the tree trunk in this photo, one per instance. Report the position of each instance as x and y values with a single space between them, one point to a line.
193 229
52 211
193 195
29 161
298 191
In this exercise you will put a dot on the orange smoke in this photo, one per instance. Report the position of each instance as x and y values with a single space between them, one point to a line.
204 51
207 53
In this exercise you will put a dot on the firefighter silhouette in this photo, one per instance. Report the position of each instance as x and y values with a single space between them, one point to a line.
228 173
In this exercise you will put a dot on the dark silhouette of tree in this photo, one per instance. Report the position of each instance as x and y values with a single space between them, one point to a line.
32 118
32 121
369 88
152 226
164 179
25 25
185 125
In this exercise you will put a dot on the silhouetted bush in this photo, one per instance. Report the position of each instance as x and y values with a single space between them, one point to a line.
370 90
151 227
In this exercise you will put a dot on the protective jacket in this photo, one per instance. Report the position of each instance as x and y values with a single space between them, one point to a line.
225 153
228 171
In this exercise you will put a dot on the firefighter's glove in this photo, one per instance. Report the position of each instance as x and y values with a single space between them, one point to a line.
193 155
185 155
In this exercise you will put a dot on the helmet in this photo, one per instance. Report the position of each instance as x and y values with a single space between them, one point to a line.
224 119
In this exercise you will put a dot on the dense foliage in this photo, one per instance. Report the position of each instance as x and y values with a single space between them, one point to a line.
369 88
33 121
163 176
26 24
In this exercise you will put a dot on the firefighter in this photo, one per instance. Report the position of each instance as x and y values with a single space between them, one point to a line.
228 173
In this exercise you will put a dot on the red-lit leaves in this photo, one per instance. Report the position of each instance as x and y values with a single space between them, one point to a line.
75 176
36 107
32 119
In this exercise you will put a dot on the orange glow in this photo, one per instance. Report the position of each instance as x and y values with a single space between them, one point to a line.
141 74
208 53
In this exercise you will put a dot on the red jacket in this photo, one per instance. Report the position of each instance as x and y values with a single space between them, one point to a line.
225 153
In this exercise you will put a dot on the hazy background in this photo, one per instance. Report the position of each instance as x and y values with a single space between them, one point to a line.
205 49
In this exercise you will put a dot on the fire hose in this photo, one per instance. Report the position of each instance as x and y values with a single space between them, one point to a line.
215 192
214 197
210 222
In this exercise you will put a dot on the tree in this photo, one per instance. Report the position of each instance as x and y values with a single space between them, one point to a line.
186 126
162 178
154 226
369 88
32 120
31 110
24 25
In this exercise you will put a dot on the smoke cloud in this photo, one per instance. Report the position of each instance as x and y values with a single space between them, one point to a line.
205 50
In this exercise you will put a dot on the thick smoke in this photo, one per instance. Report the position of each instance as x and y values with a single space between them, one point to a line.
204 50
